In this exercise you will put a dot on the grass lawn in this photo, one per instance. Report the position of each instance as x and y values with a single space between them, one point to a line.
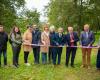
48 72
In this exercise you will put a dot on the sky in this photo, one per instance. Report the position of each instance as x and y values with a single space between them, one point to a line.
39 5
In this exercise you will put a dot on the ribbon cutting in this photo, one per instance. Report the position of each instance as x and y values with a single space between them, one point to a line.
49 39
94 47
49 44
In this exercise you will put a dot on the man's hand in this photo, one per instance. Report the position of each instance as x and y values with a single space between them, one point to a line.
72 41
89 45
99 47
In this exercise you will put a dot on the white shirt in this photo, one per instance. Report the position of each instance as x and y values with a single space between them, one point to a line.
87 34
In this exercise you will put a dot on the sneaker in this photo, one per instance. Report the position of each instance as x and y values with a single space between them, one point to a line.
98 69
27 64
88 67
82 66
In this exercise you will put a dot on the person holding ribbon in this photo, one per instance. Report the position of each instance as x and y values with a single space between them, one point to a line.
87 39
27 39
36 38
71 41
50 55
53 44
16 41
45 40
60 40
98 57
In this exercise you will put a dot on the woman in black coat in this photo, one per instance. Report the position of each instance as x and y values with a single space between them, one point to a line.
53 42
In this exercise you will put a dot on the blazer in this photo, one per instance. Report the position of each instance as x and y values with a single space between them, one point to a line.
36 37
67 39
60 39
3 40
84 41
27 38
53 39
45 39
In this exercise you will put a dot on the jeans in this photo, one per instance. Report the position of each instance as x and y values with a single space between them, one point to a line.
36 52
4 55
16 52
44 58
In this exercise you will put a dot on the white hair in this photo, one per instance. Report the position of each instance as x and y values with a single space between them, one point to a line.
52 28
60 28
34 25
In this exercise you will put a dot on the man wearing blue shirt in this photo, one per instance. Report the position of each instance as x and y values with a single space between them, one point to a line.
87 39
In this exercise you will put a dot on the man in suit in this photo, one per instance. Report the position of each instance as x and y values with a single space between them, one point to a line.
87 39
36 38
71 40
60 40
3 45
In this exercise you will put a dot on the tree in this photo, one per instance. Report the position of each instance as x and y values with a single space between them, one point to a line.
27 17
62 13
8 11
32 16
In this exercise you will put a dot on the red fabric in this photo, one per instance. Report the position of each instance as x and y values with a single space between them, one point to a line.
72 38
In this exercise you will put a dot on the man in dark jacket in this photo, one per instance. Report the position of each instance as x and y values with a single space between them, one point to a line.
36 38
71 40
3 45
60 40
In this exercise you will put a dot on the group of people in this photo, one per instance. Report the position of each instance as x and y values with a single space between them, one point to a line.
49 43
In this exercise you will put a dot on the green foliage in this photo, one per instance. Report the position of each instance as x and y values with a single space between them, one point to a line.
32 16
10 15
27 17
62 13
48 72
8 12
